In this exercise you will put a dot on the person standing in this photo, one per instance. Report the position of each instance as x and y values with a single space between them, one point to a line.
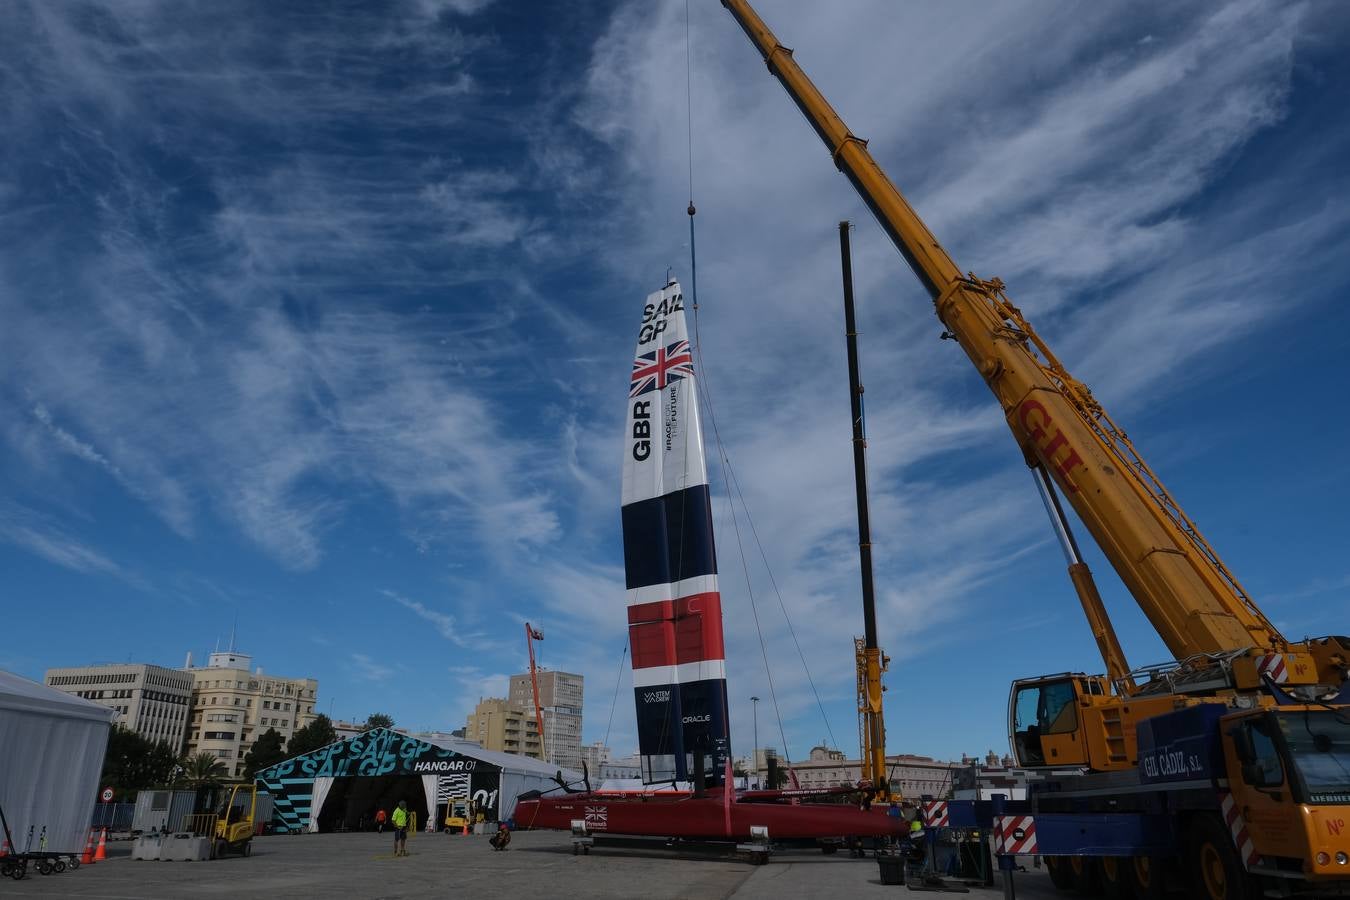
400 819
379 820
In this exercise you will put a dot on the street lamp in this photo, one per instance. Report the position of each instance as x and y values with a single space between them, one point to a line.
754 752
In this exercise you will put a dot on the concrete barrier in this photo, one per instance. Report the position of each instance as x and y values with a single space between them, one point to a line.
147 846
185 846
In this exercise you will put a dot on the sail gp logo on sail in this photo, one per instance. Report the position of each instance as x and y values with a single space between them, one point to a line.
653 371
654 317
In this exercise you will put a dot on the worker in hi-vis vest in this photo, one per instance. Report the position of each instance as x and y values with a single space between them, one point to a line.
400 819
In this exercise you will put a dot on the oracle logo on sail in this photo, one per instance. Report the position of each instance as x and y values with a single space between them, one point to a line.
697 720
656 697
1035 418
654 317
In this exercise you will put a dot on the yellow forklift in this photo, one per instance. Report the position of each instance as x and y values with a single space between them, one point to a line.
234 821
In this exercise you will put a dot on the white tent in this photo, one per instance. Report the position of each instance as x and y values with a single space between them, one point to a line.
519 773
51 754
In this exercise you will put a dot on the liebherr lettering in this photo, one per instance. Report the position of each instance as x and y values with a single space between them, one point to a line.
1049 440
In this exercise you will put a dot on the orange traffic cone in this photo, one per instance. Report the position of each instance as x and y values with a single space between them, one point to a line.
87 858
466 828
102 852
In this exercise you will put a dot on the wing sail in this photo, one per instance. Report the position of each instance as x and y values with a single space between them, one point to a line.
674 607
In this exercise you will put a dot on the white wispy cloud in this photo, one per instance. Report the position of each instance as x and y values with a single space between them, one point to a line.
24 528
369 669
444 623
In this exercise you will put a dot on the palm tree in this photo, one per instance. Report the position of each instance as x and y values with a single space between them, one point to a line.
203 769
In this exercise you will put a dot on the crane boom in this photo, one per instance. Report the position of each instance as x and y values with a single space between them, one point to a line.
1193 601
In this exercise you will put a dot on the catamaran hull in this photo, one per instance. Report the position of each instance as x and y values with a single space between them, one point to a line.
703 818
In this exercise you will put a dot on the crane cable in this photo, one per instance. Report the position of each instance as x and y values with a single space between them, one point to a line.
728 472
618 682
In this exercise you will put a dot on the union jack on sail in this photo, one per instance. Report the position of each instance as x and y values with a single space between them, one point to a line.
653 371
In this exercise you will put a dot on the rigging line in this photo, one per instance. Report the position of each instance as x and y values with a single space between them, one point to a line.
754 609
689 105
705 392
781 605
618 680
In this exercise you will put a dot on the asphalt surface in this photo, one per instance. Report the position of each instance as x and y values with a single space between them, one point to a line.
537 865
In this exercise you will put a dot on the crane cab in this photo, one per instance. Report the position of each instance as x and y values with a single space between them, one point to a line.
1045 719
1289 771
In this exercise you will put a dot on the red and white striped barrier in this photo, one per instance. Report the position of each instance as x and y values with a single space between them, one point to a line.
1015 835
935 814
1237 826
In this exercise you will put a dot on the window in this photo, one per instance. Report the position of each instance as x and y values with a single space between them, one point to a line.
1265 770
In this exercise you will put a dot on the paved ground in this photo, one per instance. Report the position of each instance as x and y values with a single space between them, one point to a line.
538 865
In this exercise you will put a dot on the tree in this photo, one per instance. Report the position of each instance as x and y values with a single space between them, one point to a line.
316 734
378 720
267 751
133 763
203 769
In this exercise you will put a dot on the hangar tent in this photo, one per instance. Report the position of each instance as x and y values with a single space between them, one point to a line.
52 747
340 787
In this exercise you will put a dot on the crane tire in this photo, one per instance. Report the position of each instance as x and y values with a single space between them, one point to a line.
1116 878
1214 869
1087 875
1061 875
1148 875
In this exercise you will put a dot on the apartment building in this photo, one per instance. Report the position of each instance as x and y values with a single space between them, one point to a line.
232 706
498 724
150 700
912 776
561 695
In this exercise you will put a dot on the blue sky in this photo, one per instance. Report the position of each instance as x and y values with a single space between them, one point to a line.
319 315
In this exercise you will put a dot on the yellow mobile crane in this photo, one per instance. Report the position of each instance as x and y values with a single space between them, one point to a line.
1234 759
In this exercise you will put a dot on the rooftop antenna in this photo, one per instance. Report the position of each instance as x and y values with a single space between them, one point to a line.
233 627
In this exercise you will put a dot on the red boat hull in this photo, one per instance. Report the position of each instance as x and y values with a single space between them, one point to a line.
703 818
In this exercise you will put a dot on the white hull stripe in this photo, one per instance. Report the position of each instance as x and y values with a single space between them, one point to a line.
652 593
684 673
